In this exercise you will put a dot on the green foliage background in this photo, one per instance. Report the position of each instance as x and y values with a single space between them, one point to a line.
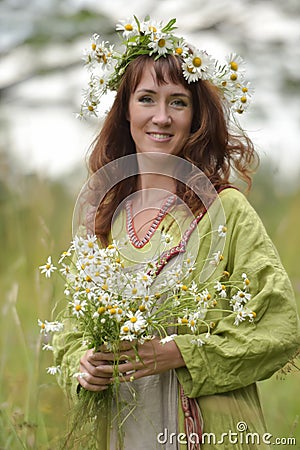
36 215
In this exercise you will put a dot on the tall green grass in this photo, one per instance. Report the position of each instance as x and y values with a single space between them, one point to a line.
36 221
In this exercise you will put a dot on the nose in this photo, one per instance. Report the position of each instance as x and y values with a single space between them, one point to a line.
161 115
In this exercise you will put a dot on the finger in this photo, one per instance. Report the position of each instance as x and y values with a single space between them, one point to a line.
129 366
85 383
102 370
123 345
110 358
134 375
94 376
99 357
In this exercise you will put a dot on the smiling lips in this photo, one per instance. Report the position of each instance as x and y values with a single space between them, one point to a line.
160 136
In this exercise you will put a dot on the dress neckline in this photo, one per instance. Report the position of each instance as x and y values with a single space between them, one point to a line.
132 234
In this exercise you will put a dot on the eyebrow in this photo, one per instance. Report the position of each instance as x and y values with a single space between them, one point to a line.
176 94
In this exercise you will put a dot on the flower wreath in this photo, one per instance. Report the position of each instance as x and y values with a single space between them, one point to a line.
152 38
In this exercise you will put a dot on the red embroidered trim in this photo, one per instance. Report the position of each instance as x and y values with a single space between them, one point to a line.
130 225
181 247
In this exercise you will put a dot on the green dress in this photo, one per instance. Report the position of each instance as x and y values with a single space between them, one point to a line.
222 373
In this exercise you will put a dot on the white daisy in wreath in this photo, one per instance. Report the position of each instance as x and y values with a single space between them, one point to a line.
128 28
198 66
161 44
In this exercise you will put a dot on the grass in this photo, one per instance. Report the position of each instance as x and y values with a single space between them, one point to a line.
35 221
30 417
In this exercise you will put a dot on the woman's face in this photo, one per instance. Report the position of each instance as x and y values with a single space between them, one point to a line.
160 116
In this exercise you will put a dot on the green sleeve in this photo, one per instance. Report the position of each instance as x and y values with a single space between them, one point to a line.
68 349
236 356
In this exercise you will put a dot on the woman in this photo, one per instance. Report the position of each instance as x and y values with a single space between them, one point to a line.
159 114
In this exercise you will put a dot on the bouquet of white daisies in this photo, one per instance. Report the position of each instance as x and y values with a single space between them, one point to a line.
110 303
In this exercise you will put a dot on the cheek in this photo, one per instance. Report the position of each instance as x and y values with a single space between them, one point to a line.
137 121
135 130
187 125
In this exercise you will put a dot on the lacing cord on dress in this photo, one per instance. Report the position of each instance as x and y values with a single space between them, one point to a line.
193 421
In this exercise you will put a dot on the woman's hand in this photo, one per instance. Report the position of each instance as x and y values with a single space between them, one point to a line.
149 358
96 370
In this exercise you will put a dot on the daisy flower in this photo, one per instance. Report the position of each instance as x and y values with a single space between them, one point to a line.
242 96
246 281
205 296
183 320
53 327
240 317
221 289
147 301
47 347
246 89
89 53
67 291
167 339
92 93
235 62
65 270
144 279
95 42
193 288
116 313
89 107
217 257
101 82
197 342
181 48
42 326
126 333
190 321
48 268
136 321
166 238
78 307
89 243
99 52
222 230
241 104
154 27
128 28
199 65
53 370
189 73
161 44
88 292
64 255
242 297
189 266
79 375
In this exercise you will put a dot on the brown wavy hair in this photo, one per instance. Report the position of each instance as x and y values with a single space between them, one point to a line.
216 145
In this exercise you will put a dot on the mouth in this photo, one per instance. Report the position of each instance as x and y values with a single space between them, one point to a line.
160 136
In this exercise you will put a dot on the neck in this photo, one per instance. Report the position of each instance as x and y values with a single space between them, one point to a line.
149 182
152 193
155 179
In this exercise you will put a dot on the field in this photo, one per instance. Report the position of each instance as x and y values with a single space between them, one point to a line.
35 221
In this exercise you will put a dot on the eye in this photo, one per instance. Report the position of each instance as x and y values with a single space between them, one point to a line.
179 103
145 99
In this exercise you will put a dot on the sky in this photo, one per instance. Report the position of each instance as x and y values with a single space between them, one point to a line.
40 128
